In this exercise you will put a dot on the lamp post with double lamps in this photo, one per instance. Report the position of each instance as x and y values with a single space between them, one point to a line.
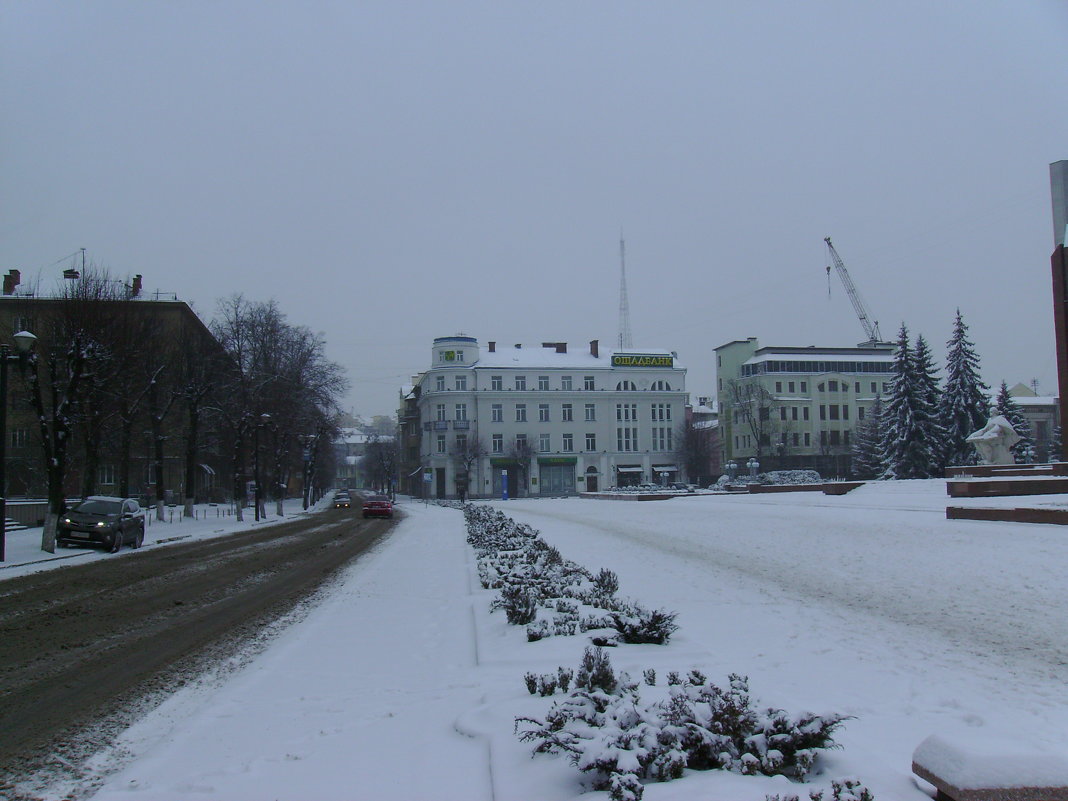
24 343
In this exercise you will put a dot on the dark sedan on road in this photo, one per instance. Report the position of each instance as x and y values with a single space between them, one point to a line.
377 506
103 520
342 500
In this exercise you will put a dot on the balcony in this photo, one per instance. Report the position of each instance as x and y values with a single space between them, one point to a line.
441 425
461 425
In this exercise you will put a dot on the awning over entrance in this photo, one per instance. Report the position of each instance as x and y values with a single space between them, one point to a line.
625 469
665 468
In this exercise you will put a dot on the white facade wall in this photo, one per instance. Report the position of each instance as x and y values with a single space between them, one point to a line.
524 391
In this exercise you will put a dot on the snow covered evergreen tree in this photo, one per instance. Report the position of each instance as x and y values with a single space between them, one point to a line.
908 449
1054 447
868 443
1006 406
930 395
965 404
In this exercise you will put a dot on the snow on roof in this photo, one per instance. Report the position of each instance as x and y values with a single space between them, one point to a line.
806 355
534 356
1035 400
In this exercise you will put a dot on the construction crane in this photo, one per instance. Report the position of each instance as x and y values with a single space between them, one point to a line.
871 328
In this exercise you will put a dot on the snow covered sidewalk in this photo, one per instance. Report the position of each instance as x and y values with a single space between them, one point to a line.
358 701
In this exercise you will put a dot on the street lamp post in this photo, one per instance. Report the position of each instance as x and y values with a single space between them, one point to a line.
24 341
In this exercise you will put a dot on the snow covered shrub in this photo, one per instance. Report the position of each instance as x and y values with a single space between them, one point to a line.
519 606
564 677
607 730
650 677
790 477
845 790
606 583
547 684
531 680
539 631
595 672
673 678
638 625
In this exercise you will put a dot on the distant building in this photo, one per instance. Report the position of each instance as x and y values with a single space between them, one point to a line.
543 420
797 407
1042 412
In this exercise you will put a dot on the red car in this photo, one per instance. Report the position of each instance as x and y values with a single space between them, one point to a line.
377 505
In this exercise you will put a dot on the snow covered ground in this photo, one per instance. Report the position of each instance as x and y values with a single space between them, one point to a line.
402 685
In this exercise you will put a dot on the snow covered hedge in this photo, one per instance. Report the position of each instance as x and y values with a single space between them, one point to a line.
608 729
551 595
774 477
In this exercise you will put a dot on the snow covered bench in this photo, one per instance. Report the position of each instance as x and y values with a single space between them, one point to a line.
992 775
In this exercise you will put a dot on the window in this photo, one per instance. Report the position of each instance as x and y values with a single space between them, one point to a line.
498 443
873 389
439 383
793 412
845 437
591 442
860 412
590 413
797 440
820 387
661 386
804 410
105 474
543 413
565 382
823 412
836 438
791 387
845 412
520 382
778 386
441 443
543 443
808 439
662 438
565 413
568 443
587 382
497 413
886 387
461 382
832 386
661 411
626 412
20 324
626 439
834 411
856 387
823 438
626 386
440 411
543 383
520 412
782 412
18 438
764 414
496 383
461 443
804 387
520 443
461 411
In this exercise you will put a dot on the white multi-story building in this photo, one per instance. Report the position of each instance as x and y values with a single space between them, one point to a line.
545 421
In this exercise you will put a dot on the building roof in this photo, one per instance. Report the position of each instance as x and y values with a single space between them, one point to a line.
535 356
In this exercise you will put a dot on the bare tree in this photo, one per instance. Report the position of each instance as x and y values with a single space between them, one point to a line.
694 451
754 409
467 453
521 453
380 462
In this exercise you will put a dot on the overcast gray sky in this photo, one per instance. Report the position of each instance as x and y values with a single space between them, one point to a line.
395 171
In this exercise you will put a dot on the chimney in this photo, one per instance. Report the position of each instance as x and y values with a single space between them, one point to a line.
11 280
594 349
492 347
135 287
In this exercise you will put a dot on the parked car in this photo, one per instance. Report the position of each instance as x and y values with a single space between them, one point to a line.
342 500
378 506
103 520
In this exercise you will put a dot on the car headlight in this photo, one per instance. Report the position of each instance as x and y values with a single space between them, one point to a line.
101 524
65 521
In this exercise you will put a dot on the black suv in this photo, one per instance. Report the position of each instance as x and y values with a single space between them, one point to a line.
103 520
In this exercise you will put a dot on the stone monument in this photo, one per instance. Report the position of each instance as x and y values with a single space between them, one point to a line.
994 441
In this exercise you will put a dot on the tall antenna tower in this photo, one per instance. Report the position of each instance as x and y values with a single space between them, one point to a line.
625 341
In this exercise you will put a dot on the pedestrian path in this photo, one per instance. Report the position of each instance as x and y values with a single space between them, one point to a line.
358 701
